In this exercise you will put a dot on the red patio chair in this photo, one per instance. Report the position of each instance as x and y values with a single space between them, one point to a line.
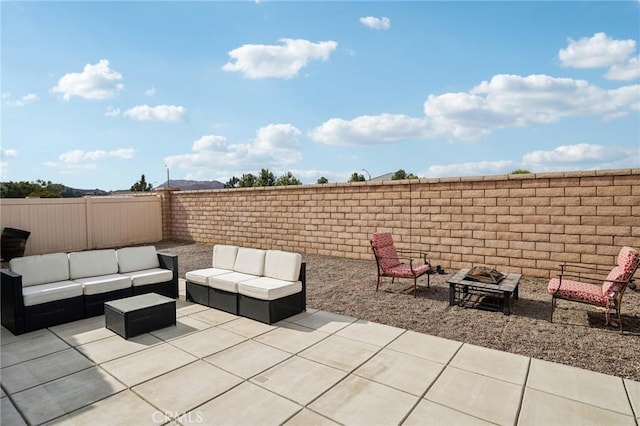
412 264
577 283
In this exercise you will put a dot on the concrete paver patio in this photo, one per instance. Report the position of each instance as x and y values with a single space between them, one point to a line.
317 368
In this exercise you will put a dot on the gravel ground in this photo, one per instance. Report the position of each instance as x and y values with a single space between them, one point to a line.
577 337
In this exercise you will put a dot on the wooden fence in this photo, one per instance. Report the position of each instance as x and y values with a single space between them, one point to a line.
74 224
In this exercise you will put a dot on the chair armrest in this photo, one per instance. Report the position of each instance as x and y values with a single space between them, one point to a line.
580 278
408 259
579 268
420 254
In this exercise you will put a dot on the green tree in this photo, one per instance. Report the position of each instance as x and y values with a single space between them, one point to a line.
141 185
401 174
232 183
247 180
356 177
266 178
288 179
39 188
520 172
322 179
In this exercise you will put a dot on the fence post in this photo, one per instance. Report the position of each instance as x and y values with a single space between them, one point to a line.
165 205
89 216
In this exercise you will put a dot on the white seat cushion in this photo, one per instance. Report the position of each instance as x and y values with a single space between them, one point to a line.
104 283
228 282
41 269
224 257
266 288
199 276
282 265
132 259
92 263
43 293
149 276
250 261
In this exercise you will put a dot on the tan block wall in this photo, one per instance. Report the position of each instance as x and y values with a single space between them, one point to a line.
518 223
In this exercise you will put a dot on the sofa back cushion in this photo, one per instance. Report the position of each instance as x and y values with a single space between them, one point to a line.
41 269
224 257
282 265
92 263
250 261
131 259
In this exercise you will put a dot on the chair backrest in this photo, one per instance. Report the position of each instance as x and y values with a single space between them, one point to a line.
628 262
384 251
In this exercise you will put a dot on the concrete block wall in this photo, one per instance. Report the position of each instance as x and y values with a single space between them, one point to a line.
517 223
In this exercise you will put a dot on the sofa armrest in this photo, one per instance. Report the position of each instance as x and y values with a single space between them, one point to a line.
13 312
303 279
170 262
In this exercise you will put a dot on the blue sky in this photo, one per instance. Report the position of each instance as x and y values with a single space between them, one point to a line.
95 94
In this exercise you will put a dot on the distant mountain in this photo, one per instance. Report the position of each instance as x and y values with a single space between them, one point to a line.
75 192
192 185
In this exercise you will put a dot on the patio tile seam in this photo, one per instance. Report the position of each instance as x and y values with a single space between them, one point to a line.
173 416
424 394
16 407
492 377
47 422
33 359
292 353
117 357
250 377
626 391
586 403
523 390
48 381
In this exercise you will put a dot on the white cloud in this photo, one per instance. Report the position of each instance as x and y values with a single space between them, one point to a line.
5 154
20 102
96 82
595 52
8 152
78 161
150 92
370 130
582 156
505 101
275 147
602 51
70 168
480 168
156 113
285 61
112 112
78 155
626 71
374 23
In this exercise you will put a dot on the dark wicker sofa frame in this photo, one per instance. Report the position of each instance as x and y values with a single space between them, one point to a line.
266 311
20 319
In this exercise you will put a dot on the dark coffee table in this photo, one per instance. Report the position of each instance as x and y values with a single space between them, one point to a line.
463 290
140 314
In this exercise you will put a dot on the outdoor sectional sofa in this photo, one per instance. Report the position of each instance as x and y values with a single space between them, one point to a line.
45 290
264 285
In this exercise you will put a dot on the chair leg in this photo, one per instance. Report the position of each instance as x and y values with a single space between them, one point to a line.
378 283
553 305
415 287
619 319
